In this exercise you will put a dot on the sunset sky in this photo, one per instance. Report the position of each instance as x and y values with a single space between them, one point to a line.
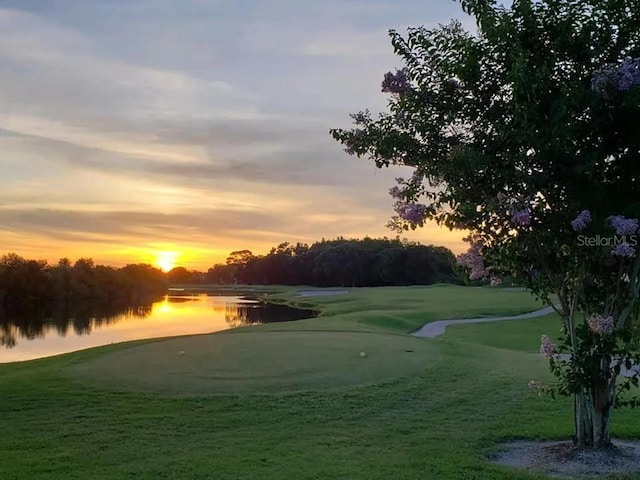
138 129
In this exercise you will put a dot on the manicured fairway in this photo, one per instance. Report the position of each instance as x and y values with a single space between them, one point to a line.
259 362
119 412
513 335
404 309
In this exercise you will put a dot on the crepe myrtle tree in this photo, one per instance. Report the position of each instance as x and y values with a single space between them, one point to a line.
526 134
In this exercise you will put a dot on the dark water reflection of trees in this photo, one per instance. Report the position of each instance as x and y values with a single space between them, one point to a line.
33 321
36 321
241 315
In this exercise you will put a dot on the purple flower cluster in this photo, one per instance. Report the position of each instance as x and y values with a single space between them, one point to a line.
474 261
629 73
520 217
396 83
624 226
495 281
547 347
619 76
581 221
395 192
604 78
411 212
600 325
623 250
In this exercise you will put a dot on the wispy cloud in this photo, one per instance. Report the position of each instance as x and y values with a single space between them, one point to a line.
201 123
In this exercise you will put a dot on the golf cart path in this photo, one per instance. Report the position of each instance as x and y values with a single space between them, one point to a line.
433 329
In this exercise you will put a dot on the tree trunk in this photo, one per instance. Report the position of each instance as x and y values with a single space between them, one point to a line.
592 415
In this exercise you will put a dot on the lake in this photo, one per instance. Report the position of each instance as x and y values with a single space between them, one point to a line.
43 332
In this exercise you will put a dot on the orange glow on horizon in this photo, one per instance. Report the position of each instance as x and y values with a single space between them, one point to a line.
193 254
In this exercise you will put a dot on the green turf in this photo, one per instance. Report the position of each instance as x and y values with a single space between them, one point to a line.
65 418
404 309
521 335
258 362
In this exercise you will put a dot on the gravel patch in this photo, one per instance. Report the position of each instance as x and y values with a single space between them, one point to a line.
563 460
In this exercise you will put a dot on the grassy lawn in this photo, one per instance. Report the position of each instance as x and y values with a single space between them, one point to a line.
295 400
260 362
404 309
523 335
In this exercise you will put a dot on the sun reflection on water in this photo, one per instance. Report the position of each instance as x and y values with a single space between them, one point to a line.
173 315
163 307
42 333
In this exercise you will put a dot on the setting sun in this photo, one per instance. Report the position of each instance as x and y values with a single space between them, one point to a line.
165 261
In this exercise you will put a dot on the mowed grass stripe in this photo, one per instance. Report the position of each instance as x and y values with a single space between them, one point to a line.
273 362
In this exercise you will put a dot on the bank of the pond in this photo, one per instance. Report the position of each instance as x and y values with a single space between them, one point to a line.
401 309
39 332
439 418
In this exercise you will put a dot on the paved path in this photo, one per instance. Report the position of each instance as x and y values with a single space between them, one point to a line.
438 327
433 329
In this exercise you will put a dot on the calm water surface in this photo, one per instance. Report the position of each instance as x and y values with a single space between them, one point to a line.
37 334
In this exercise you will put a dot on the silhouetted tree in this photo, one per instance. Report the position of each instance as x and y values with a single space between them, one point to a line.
339 262
34 281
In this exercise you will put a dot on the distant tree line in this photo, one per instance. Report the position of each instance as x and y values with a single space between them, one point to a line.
342 262
24 281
